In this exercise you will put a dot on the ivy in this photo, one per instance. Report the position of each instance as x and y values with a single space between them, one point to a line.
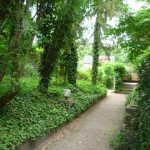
141 121
32 115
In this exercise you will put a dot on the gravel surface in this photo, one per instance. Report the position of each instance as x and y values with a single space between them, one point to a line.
93 129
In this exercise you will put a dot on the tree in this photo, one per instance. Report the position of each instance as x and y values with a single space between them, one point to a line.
11 34
14 45
56 22
133 33
104 10
96 47
75 33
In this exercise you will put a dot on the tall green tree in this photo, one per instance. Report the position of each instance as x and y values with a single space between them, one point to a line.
96 48
11 34
133 33
104 10
71 53
14 11
55 24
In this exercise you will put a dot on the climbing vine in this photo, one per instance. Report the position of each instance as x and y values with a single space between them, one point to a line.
72 64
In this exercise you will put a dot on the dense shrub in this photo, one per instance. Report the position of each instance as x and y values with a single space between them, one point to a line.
120 71
28 84
141 121
87 87
109 74
101 76
84 75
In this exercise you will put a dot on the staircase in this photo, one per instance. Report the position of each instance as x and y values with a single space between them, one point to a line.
128 87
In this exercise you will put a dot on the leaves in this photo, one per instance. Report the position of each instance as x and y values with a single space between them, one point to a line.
30 115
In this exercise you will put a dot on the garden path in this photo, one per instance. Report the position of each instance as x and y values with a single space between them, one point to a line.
93 129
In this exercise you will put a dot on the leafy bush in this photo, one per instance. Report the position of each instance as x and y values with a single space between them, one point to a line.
101 76
141 121
28 84
109 74
87 87
120 71
84 75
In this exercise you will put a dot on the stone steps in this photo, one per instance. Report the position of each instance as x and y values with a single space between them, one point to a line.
128 87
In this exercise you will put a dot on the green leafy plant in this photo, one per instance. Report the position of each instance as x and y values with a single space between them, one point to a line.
32 114
132 98
84 75
141 121
101 78
86 87
109 74
120 71
119 142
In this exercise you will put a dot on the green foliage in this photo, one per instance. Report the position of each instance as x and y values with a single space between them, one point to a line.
134 33
120 55
84 75
120 71
5 85
28 84
86 87
119 142
58 28
141 121
128 75
71 64
55 91
32 114
109 74
96 48
132 98
101 78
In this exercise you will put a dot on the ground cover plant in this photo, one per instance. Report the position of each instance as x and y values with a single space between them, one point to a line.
32 114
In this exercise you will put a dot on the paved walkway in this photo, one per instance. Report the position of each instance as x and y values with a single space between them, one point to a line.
93 129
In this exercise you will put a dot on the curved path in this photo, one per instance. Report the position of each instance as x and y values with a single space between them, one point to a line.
93 129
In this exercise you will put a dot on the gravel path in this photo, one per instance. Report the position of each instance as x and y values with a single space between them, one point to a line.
93 129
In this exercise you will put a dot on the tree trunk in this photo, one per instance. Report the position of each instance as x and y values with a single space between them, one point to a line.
15 45
96 47
14 51
72 64
48 60
51 52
